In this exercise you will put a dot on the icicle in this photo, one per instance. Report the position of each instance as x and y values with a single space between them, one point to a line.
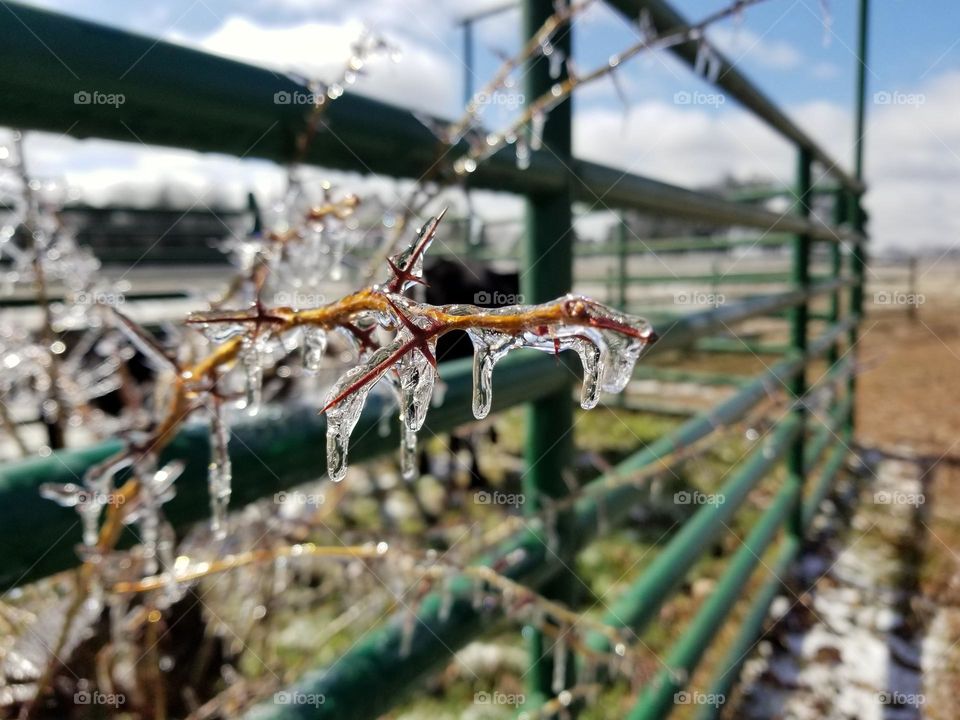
523 153
559 664
343 416
648 30
408 453
488 348
703 55
557 58
483 363
591 355
220 472
713 68
252 358
314 347
537 123
417 377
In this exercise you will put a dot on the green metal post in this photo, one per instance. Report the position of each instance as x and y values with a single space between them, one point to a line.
622 260
840 208
548 273
858 259
798 333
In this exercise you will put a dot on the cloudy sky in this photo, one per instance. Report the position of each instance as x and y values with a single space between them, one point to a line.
800 52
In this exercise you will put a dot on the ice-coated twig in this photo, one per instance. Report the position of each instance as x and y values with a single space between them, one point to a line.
650 40
608 342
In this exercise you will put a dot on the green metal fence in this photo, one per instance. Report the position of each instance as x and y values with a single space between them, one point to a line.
184 98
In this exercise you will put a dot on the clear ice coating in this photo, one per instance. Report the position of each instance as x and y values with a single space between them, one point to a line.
410 261
607 341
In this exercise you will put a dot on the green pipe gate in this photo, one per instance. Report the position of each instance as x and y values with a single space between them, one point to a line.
184 98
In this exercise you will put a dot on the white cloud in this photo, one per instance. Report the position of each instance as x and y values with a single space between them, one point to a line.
912 154
742 44
424 79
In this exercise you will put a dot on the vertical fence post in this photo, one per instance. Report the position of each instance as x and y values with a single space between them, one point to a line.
622 260
857 259
547 273
798 335
836 269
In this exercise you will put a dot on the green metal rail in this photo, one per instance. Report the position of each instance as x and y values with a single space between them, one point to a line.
183 98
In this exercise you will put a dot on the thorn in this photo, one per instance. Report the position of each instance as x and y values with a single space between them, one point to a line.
404 275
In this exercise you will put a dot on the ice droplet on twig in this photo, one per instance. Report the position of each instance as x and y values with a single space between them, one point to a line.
537 123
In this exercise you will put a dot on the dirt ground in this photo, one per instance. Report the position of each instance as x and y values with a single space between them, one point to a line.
909 379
